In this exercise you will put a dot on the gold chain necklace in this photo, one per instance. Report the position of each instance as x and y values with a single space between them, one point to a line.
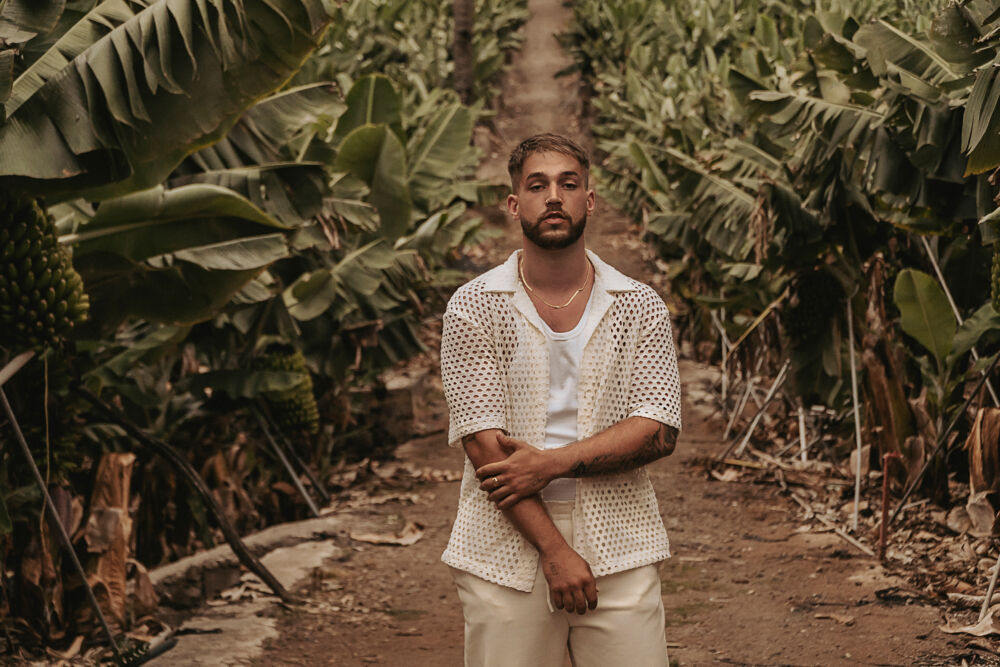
520 271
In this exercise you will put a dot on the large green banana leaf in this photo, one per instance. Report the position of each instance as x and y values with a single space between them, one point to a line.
720 210
241 383
892 51
173 256
20 20
924 312
365 274
437 156
372 100
279 128
108 110
292 192
374 154
158 221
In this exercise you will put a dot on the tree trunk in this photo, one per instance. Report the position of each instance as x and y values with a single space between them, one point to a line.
464 11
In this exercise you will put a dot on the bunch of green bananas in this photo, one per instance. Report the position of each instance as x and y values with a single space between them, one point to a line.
294 409
41 294
995 278
816 296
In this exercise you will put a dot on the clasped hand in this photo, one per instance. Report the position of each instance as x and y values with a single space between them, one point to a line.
524 472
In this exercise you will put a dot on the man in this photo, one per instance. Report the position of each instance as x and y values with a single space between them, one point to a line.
561 380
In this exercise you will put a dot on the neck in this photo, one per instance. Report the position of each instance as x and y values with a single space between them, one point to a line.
554 269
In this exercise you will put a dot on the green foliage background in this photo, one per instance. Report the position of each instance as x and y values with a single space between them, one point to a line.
788 156
231 177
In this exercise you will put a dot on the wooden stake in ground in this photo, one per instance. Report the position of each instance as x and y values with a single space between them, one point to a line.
803 446
989 591
778 381
857 419
883 529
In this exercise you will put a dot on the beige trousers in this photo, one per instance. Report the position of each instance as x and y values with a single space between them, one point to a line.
509 628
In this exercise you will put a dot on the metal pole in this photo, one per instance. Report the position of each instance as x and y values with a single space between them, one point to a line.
760 413
15 364
857 419
725 354
743 399
289 450
954 309
54 517
288 466
778 381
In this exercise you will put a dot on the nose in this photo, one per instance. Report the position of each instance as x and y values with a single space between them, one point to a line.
552 196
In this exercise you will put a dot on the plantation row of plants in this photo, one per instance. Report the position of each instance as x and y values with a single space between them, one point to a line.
217 218
796 162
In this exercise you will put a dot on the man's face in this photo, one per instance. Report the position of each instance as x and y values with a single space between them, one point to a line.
552 200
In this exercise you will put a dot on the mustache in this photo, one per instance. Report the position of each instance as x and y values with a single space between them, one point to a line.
554 213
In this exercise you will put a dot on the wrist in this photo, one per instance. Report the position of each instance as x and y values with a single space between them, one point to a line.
560 462
550 549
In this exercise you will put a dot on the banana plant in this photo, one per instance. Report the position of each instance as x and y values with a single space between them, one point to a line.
107 110
805 143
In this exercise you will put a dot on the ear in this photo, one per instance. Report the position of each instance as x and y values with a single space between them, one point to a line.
512 204
591 201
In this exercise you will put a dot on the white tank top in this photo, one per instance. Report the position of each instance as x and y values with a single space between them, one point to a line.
565 353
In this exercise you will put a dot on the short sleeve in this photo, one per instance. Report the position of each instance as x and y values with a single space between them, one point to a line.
655 390
471 378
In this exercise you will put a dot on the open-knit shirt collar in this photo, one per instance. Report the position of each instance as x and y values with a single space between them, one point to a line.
505 279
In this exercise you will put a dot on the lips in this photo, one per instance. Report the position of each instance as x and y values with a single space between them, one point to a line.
555 216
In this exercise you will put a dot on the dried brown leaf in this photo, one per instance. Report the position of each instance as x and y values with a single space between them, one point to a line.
983 445
987 626
410 534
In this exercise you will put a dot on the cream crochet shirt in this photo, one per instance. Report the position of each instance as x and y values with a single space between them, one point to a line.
495 368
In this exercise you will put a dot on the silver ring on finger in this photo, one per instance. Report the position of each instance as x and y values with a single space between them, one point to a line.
496 483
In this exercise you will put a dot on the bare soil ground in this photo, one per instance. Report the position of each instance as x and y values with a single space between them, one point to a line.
749 583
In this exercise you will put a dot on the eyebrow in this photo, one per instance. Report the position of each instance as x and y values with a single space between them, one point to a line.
539 174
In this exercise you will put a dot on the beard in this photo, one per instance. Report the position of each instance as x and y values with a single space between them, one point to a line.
553 240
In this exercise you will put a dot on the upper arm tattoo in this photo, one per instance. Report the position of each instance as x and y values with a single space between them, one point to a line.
656 445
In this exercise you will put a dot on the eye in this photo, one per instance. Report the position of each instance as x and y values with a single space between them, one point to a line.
535 187
570 186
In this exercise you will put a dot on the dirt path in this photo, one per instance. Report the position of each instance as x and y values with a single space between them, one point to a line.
747 585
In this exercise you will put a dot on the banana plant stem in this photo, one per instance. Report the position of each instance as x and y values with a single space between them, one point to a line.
173 456
57 522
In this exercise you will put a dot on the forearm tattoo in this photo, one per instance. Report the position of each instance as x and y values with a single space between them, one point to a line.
658 444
